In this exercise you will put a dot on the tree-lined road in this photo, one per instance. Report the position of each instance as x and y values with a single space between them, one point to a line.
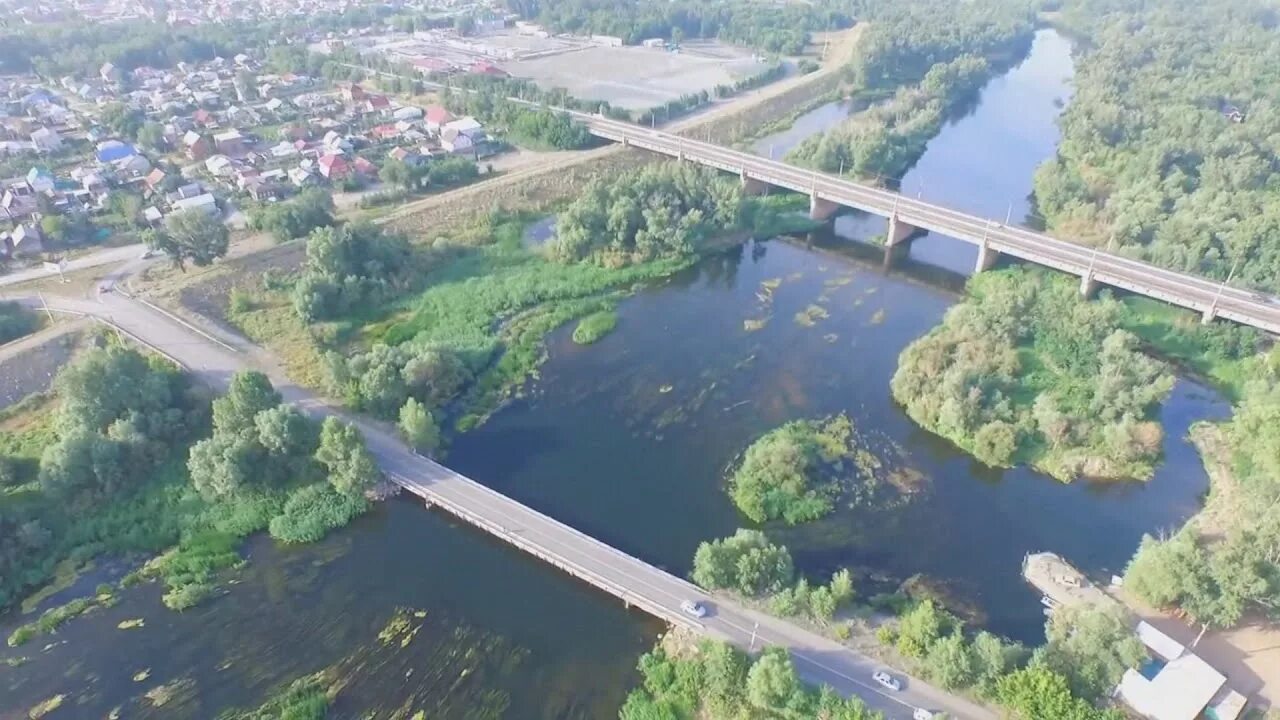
818 659
1213 298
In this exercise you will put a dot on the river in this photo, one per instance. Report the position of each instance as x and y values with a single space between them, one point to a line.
629 440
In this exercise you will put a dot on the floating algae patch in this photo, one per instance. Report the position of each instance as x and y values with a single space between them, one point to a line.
836 282
811 315
180 691
401 628
793 277
877 317
771 284
754 324
831 337
131 624
45 707
142 675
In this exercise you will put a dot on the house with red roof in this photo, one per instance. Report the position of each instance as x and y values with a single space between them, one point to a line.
333 167
436 117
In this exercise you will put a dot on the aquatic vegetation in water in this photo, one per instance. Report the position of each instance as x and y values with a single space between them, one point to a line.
130 624
401 629
142 675
55 617
45 707
179 689
831 337
595 326
307 698
811 315
877 317
754 324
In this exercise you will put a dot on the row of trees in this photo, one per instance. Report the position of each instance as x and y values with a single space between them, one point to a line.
887 139
438 173
766 26
1088 649
718 682
662 210
1025 371
1175 165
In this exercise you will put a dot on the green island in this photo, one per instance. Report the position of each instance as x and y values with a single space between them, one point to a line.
1022 371
134 459
928 59
795 472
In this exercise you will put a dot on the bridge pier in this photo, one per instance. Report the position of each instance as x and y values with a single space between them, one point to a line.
821 208
987 257
1210 314
897 240
752 186
1088 285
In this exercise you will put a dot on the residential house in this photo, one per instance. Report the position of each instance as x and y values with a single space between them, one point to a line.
407 113
112 150
40 180
377 104
230 142
219 166
205 203
455 141
334 143
302 177
155 180
353 93
364 168
436 117
406 156
333 167
46 140
198 146
25 241
283 149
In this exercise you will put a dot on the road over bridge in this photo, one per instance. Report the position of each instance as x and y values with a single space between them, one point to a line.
213 356
829 193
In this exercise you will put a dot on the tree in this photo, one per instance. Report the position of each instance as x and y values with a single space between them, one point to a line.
950 662
342 451
746 562
249 393
418 427
920 628
219 466
123 120
151 135
1038 693
1091 648
192 236
772 681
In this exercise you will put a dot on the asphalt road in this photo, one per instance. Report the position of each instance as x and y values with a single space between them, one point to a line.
818 659
91 260
1190 291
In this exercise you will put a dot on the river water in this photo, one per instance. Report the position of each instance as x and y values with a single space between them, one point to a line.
629 440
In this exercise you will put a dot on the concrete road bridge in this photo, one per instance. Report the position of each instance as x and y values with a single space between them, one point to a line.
909 217
212 355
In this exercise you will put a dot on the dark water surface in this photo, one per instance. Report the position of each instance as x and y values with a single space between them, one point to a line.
629 439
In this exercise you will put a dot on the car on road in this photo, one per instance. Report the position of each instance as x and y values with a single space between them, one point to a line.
922 714
887 680
693 608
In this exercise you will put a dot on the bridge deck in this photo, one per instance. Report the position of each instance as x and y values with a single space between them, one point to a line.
1183 289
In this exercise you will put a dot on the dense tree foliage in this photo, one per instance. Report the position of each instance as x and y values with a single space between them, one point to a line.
1168 146
791 473
746 562
383 378
1026 371
1036 692
296 217
1091 647
762 25
1221 573
190 236
351 266
658 211
718 682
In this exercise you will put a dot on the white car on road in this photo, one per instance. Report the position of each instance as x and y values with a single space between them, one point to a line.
694 608
886 680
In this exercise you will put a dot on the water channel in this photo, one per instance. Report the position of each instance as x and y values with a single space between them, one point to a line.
629 440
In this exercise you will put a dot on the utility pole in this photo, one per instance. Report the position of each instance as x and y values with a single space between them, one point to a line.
1213 306
754 628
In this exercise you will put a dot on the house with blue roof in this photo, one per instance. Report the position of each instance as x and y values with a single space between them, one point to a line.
112 151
